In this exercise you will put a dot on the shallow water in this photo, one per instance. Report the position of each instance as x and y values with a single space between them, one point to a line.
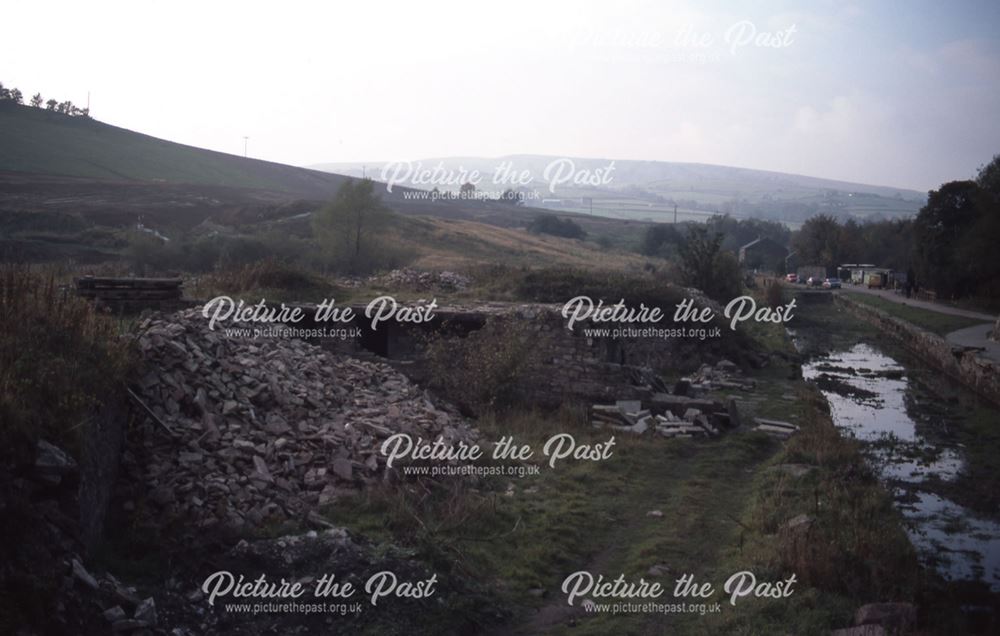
871 397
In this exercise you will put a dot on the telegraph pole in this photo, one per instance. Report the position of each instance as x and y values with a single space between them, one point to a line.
675 214
245 140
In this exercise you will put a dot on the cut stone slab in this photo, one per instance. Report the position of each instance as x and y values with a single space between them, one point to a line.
628 406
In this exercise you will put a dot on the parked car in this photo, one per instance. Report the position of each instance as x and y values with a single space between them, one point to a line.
792 278
831 283
814 281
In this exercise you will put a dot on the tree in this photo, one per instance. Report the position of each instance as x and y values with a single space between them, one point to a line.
942 233
818 242
16 96
348 226
704 265
467 191
989 177
51 104
36 100
659 240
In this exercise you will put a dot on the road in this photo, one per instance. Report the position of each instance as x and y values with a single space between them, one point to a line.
974 336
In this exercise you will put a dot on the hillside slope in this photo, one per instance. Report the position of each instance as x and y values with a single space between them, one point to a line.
38 141
649 190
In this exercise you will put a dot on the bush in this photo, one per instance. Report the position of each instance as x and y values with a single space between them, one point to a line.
705 266
660 240
59 359
482 371
552 224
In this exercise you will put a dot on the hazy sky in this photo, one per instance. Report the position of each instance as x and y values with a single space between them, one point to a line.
895 93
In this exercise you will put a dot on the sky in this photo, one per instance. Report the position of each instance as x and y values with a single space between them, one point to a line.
890 93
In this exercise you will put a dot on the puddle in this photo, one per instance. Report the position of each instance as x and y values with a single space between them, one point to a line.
871 397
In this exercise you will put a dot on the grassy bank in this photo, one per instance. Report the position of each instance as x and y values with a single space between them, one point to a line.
932 321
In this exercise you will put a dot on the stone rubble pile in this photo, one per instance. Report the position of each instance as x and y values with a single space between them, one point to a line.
268 429
724 375
628 416
443 281
681 413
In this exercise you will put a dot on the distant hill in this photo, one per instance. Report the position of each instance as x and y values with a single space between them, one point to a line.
39 141
649 190
47 144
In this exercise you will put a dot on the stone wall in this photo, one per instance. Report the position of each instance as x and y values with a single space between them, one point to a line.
567 366
976 372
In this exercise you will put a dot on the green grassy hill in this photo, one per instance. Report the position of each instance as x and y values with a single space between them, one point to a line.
38 141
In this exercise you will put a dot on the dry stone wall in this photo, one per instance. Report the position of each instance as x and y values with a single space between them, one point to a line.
977 372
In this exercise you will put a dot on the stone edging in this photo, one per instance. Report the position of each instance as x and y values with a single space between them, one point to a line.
977 373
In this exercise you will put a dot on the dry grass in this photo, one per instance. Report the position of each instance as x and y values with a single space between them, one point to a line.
59 358
457 244
853 544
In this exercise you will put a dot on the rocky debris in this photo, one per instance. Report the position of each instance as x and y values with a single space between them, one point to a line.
146 612
724 375
52 464
669 415
626 416
415 279
775 428
269 428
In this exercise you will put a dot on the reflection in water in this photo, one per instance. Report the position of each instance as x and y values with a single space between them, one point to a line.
867 393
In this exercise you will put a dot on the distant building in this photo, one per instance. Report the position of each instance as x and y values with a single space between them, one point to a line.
763 254
856 272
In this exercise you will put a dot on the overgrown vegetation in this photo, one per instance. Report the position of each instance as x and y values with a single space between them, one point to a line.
706 266
552 224
349 230
483 371
59 359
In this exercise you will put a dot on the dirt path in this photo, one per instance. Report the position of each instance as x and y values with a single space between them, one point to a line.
923 304
700 488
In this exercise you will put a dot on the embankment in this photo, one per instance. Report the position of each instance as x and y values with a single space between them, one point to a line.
976 372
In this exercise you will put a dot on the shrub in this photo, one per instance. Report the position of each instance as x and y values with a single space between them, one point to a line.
59 359
482 371
552 224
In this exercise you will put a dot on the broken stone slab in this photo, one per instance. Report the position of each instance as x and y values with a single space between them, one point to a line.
343 468
115 614
82 575
776 423
146 611
52 463
691 414
628 406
